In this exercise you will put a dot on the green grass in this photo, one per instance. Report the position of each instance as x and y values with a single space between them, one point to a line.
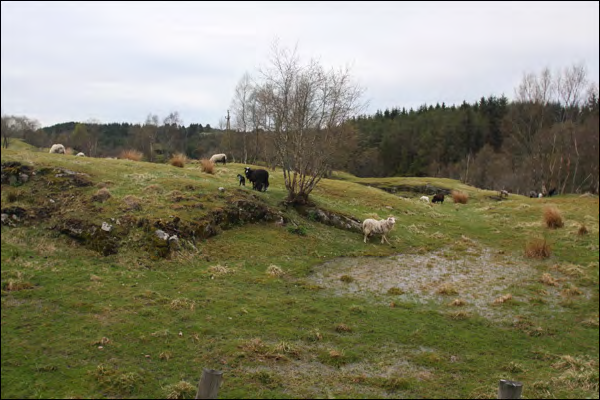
144 321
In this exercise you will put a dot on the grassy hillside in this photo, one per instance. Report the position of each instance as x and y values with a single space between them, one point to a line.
96 305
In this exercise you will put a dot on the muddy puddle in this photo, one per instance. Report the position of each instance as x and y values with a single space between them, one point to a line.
476 277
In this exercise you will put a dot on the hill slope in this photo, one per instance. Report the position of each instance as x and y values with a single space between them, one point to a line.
96 304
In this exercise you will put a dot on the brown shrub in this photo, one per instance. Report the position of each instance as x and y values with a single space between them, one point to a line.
133 155
553 218
583 230
178 160
460 197
537 248
207 166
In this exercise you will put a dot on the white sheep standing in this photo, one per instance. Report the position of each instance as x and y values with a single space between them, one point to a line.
216 158
372 226
57 149
424 199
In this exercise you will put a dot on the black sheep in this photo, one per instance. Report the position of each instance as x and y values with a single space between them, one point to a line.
438 198
258 177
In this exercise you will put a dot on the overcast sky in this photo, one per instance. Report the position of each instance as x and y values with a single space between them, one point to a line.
120 61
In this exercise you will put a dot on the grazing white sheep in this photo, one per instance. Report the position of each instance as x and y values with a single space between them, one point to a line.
216 158
80 154
57 149
372 226
424 199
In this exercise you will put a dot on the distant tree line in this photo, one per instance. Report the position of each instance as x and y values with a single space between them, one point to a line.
547 137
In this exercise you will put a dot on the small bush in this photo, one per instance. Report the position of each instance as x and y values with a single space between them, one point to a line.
460 197
553 218
583 230
133 155
178 160
207 166
537 248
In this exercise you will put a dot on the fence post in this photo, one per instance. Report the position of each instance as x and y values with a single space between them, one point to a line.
509 389
208 387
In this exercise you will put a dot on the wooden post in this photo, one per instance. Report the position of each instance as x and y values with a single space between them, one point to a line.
208 387
509 389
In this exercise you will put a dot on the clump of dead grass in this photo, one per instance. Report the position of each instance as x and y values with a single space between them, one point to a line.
178 160
537 248
13 285
342 328
459 315
219 270
457 303
154 188
346 279
570 269
207 166
132 203
514 368
447 289
133 155
180 390
578 372
548 280
274 270
571 291
395 291
180 304
504 298
553 217
460 197
591 322
583 230
101 195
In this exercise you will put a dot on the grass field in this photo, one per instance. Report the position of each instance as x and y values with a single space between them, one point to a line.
465 295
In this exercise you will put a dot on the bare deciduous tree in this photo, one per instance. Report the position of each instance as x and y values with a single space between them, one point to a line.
242 110
304 109
16 127
150 132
